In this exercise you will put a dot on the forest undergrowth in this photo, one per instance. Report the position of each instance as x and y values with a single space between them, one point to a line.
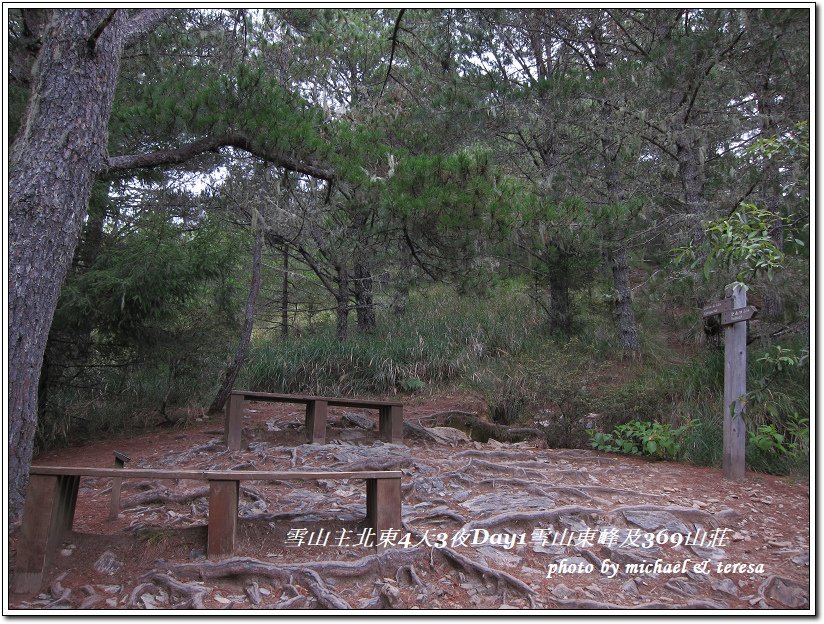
579 389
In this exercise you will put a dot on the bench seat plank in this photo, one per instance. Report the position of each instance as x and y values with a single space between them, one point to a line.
390 418
207 475
299 398
52 497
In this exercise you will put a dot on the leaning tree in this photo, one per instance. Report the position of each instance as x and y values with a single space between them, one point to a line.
69 62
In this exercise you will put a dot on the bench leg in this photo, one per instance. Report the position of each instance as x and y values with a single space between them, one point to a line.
49 509
234 421
114 505
316 422
117 485
69 485
383 505
223 496
391 424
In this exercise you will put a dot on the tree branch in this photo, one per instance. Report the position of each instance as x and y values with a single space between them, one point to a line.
91 42
392 53
176 156
632 41
143 23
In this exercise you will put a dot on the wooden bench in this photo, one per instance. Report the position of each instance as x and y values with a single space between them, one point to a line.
52 496
390 420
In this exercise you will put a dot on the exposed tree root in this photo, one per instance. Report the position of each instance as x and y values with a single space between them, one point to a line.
540 488
252 493
164 496
253 592
458 471
603 489
307 573
92 597
765 588
383 463
501 577
391 596
138 591
413 429
298 602
92 600
690 514
582 455
508 455
594 604
440 512
250 465
60 594
523 471
513 517
325 596
483 431
209 447
441 415
581 491
410 571
193 593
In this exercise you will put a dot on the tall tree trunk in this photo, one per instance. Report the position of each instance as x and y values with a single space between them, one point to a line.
560 312
691 172
342 330
624 316
770 194
622 301
365 306
246 335
60 148
400 298
284 296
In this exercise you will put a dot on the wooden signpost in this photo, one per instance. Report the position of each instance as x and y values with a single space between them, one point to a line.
734 313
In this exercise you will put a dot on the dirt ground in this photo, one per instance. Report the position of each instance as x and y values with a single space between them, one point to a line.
547 524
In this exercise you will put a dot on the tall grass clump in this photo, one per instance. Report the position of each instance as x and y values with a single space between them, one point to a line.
439 341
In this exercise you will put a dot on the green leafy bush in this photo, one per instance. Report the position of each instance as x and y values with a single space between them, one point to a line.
642 438
793 442
412 385
769 440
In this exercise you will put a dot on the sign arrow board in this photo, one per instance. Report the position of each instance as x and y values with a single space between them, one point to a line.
739 314
725 305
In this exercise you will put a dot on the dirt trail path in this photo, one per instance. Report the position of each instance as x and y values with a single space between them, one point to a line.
552 528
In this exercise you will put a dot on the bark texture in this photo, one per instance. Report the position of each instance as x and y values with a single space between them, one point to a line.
342 330
60 149
624 316
52 167
560 312
284 296
403 277
365 305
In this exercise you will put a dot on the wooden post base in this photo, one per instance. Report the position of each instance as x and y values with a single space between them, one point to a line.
383 505
316 412
120 460
223 497
391 424
234 421
48 514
